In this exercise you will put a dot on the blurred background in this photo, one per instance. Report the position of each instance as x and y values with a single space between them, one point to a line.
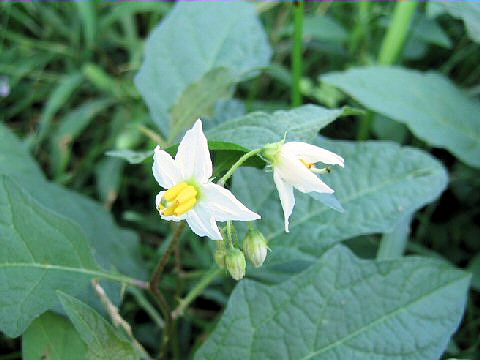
66 89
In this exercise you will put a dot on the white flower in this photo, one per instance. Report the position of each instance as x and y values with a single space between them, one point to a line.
294 167
190 195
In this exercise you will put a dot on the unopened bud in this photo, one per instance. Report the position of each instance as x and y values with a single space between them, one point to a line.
220 254
255 247
235 263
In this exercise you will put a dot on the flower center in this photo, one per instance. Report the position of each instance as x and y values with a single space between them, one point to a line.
178 200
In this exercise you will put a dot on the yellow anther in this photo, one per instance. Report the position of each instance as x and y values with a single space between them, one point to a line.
308 165
184 207
187 193
170 210
173 192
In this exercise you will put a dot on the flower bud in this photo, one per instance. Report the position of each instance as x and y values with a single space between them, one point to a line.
220 254
235 263
255 247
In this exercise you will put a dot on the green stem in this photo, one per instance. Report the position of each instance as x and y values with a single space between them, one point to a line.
391 49
365 125
235 166
393 244
397 32
145 305
197 290
297 53
361 30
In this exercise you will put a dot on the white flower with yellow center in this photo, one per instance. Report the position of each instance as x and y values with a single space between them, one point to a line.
190 194
294 167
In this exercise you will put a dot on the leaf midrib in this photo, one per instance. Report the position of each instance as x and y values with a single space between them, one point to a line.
84 271
382 319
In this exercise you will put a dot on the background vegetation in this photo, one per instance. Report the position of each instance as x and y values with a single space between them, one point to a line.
67 90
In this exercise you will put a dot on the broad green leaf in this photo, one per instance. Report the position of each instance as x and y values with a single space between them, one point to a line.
103 341
227 35
42 251
199 99
344 308
433 108
112 249
468 11
14 158
380 184
257 129
52 337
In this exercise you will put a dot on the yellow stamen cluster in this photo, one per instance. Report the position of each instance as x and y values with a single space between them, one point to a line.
178 200
312 168
308 165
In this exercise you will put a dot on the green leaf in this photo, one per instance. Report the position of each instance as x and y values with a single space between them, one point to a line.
113 249
214 35
468 11
72 125
52 337
199 99
14 158
344 308
380 184
42 252
102 340
257 129
433 108
60 95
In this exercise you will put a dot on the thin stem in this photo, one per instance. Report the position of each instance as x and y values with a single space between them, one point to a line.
235 166
147 306
153 285
196 290
361 29
297 52
229 233
391 49
365 125
117 319
397 32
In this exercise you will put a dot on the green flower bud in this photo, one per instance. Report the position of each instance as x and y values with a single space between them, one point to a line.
235 263
255 247
220 254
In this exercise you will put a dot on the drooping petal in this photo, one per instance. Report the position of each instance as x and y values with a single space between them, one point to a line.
164 169
158 199
285 192
193 157
312 154
292 171
203 223
223 205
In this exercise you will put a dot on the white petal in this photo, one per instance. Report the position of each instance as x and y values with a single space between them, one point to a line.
285 191
164 169
312 154
158 199
292 171
223 205
193 157
203 223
